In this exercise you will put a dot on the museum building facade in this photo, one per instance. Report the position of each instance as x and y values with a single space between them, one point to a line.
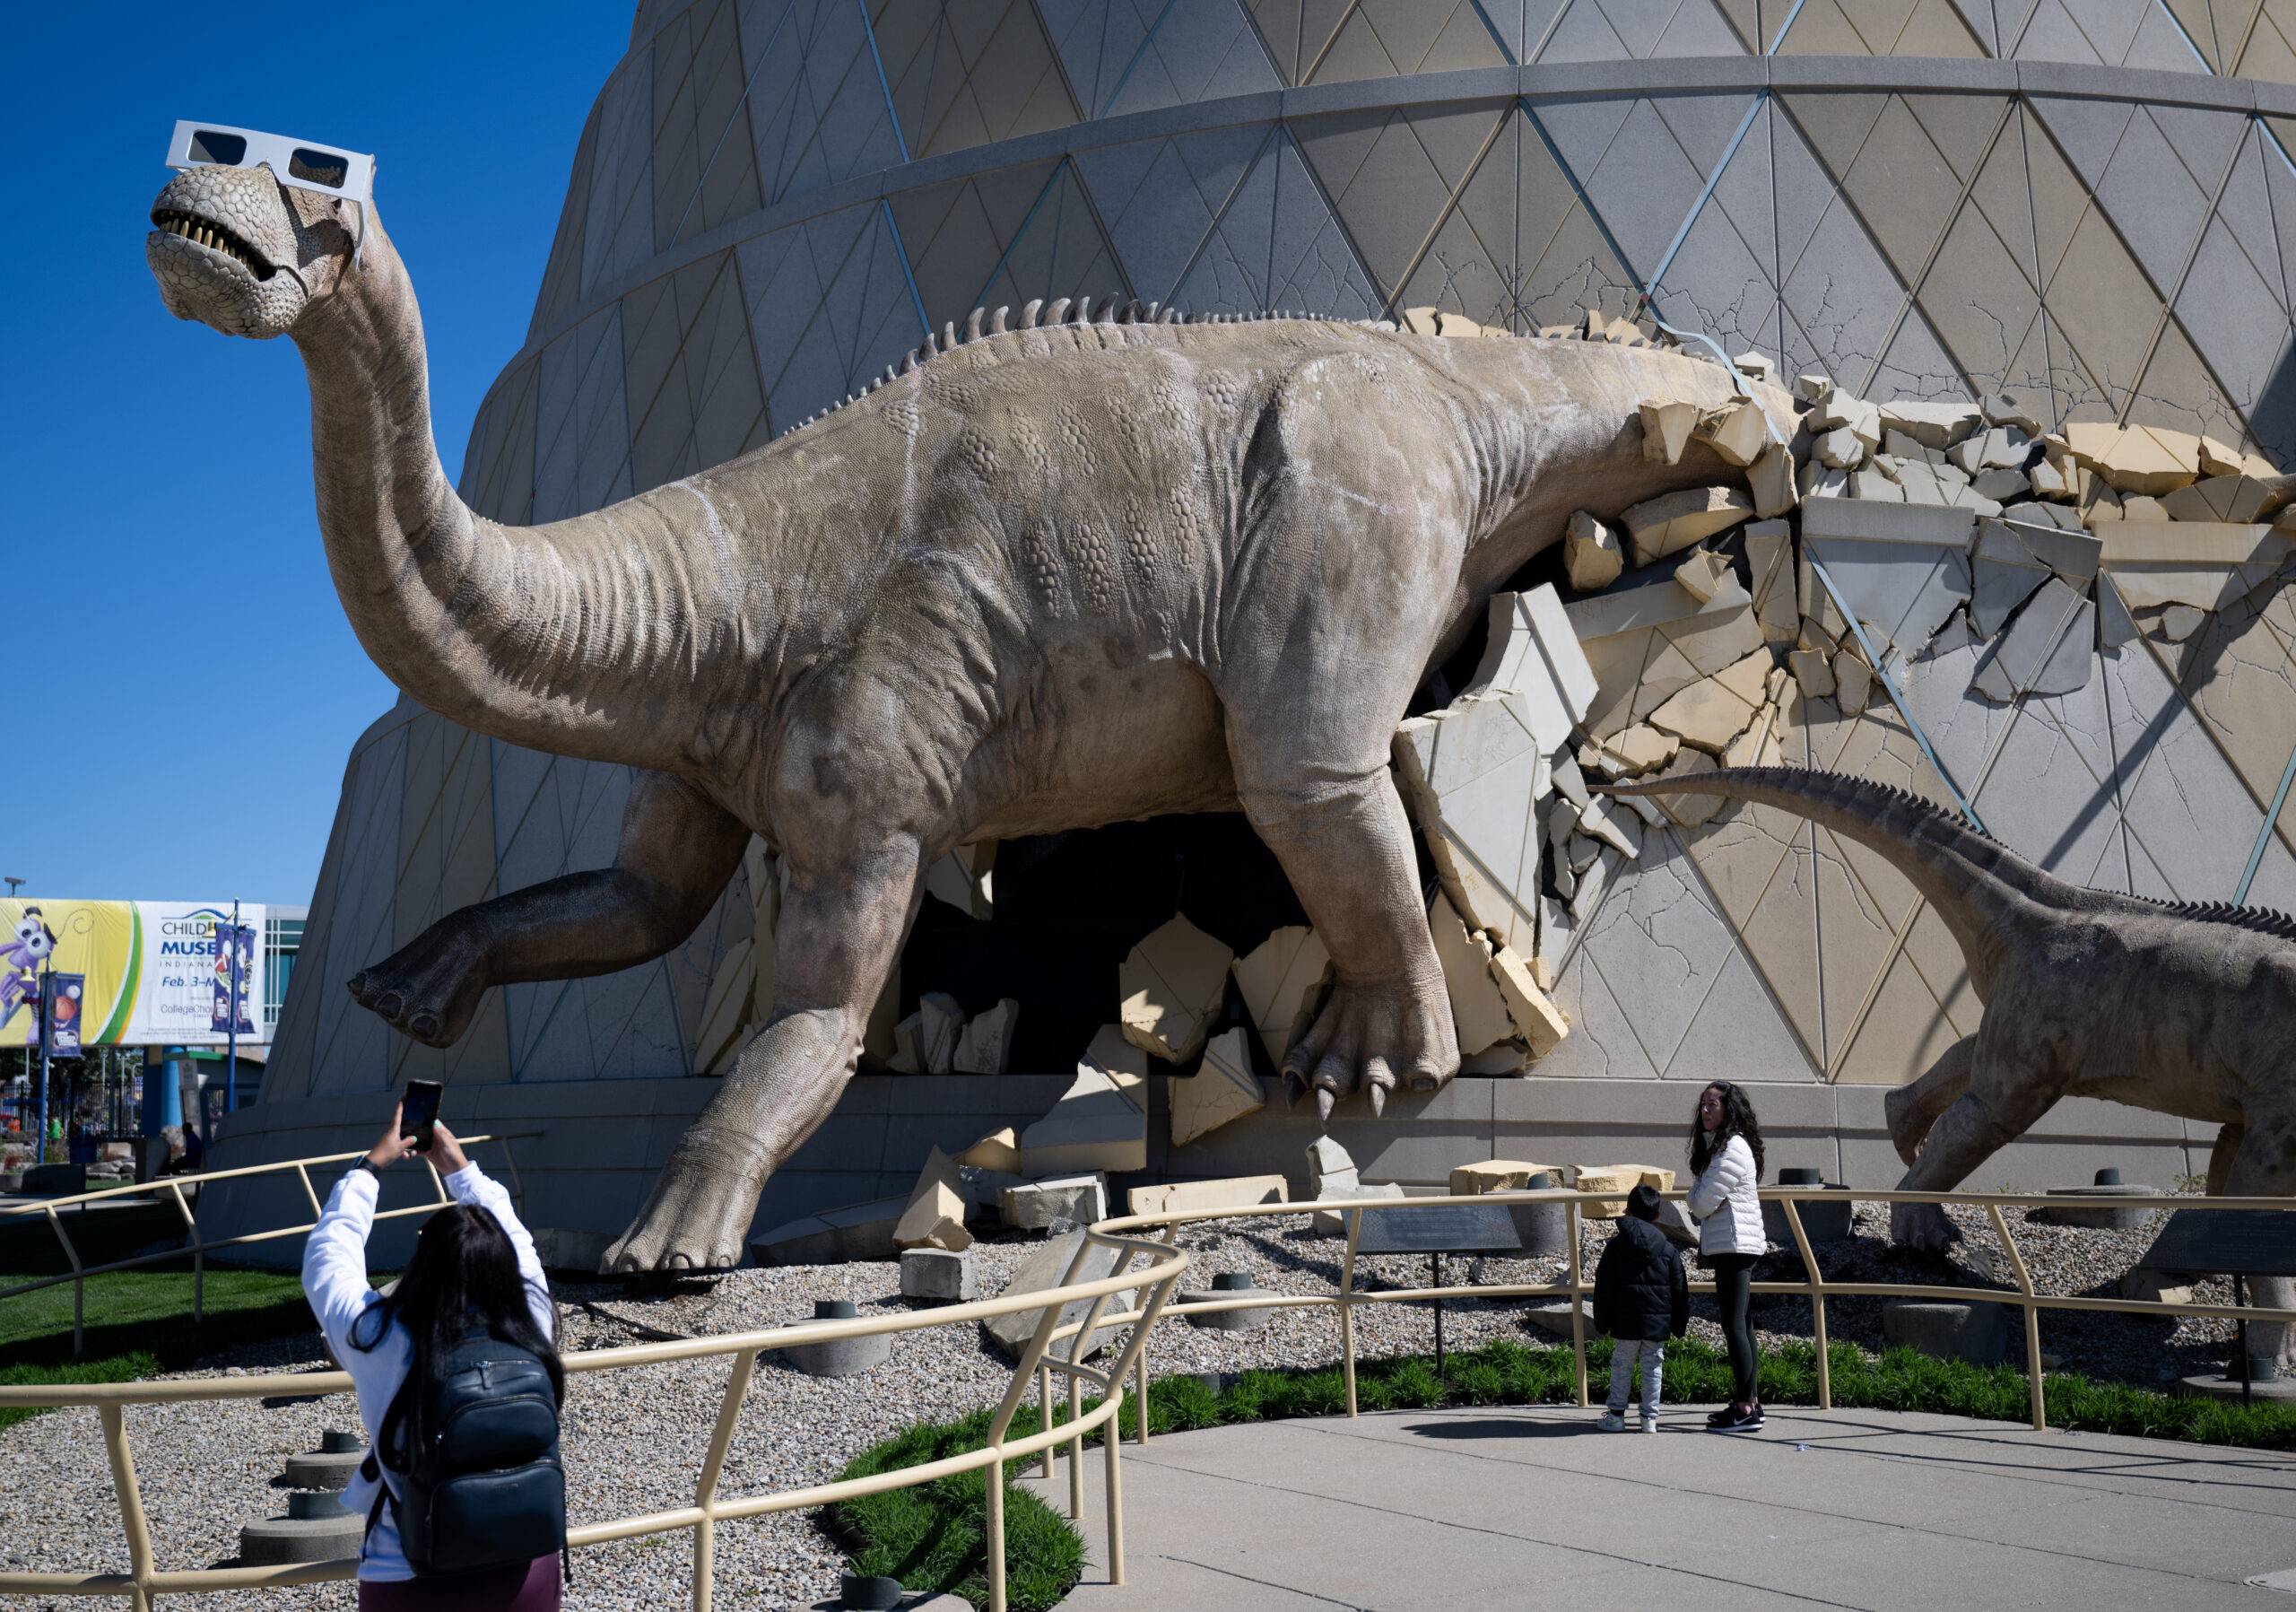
2088 203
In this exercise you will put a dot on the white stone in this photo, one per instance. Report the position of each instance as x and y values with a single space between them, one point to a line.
1813 670
1933 425
1477 1005
1222 1089
1736 431
1034 1205
1280 980
1674 521
1817 479
1771 481
942 1024
1769 556
1537 1019
986 1047
1703 575
1853 682
1328 1166
935 1217
999 1151
1666 426
1597 820
1173 983
1840 448
1194 1198
1591 555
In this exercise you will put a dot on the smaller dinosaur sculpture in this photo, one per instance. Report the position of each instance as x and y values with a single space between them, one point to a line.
2182 1009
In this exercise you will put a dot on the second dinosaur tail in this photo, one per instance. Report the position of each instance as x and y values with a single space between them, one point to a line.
1975 884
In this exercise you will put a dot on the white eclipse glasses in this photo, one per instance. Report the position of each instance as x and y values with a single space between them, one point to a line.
322 170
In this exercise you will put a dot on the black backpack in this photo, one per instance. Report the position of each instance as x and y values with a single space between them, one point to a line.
490 1491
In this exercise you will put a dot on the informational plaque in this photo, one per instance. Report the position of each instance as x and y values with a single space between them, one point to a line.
2225 1243
1451 1228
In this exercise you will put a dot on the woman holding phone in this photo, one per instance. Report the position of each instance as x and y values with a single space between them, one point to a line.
473 1288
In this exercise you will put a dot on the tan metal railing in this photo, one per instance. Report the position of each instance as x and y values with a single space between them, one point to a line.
144 1579
171 1189
1816 1287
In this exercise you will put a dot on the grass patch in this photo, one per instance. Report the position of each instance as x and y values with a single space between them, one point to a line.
933 1537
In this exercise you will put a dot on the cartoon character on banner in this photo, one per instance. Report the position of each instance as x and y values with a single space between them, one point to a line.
232 943
31 945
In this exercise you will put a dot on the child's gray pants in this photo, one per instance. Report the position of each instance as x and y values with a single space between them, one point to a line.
1625 1352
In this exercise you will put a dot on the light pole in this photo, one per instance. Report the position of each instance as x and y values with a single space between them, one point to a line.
47 967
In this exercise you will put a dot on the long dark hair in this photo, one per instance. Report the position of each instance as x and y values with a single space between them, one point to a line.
1737 1120
464 1276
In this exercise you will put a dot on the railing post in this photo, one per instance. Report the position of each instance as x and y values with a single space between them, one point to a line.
1044 1414
1076 1439
1817 1301
303 1175
1111 1440
1578 1306
79 1286
995 1473
2032 1316
198 1255
131 1501
1140 1419
1347 1305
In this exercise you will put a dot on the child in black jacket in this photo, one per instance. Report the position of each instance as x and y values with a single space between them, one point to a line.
1642 1299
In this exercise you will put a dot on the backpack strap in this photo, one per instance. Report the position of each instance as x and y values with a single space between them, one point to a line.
372 1472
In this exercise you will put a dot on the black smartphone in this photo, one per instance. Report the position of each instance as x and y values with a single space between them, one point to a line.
418 1114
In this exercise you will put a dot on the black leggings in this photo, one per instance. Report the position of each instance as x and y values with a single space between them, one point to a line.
1734 1275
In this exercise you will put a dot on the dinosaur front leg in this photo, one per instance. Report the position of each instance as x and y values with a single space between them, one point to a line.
839 933
1348 853
1913 1108
678 849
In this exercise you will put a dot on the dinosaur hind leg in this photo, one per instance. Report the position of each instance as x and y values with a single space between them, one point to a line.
2012 1082
1913 1108
2261 1163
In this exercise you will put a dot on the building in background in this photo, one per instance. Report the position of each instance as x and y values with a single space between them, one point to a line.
2088 202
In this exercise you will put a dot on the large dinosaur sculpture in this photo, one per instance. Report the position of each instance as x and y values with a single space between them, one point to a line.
2184 1010
1057 576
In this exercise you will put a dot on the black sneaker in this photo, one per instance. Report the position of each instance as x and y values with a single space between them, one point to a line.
1734 1420
1715 1418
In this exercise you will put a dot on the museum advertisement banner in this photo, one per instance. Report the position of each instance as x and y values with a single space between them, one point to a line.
154 973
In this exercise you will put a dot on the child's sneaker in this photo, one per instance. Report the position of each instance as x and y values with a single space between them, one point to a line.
1649 1423
1612 1422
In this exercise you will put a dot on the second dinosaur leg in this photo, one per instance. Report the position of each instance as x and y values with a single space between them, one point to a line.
1348 854
2262 1164
1913 1108
2010 1088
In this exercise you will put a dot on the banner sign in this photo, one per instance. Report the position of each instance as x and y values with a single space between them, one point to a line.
153 974
235 959
61 997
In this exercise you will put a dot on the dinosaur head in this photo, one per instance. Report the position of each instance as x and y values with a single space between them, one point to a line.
234 248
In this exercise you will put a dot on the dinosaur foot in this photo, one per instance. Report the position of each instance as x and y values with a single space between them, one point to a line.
1372 1039
1923 1226
700 1206
428 990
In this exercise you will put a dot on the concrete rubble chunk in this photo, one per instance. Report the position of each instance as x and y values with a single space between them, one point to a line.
1621 1179
941 1023
1666 426
1771 481
2219 498
1124 1065
1172 984
2045 650
1753 366
1593 884
1477 1005
1853 682
1809 388
1534 650
1328 1166
1538 1021
2049 482
2017 410
1736 431
1500 1175
1597 820
1634 752
934 1218
1876 486
1688 811
833 1236
1498 1060
999 1150
2115 626
1094 1126
937 1276
2180 622
1818 480
1898 444
963 879
1035 1205
1710 714
1047 1268
1579 855
1422 321
986 1047
1813 670
1769 557
1838 410
940 1175
1222 1089
1937 425
2205 565
1591 556
1703 575
1280 980
2136 458
1752 748
908 1046
1674 521
1471 775
2005 448
2138 506
2001 486
1840 448
1197 1198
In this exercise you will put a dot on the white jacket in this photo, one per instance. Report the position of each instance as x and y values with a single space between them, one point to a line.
334 1280
1723 1198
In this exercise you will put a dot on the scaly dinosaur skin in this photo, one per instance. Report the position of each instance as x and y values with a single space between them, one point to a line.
2184 1010
1052 578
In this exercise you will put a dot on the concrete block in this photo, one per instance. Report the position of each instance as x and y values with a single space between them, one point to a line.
1769 557
1771 481
1977 1332
839 1356
1619 1179
862 1231
999 1150
2135 458
1824 1220
934 1218
1591 555
1189 1197
1703 574
2218 497
1735 431
316 1528
1224 1089
1333 1222
1710 713
1674 521
1095 1126
1172 984
941 1024
1328 1166
2156 1286
1478 1008
1666 427
1498 1176
1280 980
985 1045
1046 1268
1124 1065
938 1276
1554 1316
1933 425
1540 1023
1034 1205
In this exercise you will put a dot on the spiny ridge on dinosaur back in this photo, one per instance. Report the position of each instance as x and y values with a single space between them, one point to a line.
1115 310
2262 920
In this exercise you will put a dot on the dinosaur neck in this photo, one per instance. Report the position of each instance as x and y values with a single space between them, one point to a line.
542 636
1980 888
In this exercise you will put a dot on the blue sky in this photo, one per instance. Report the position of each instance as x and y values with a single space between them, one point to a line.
155 479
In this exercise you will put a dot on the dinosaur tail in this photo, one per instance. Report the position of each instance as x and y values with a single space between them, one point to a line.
1975 884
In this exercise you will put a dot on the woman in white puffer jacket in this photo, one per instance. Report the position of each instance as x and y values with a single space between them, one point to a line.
1725 1157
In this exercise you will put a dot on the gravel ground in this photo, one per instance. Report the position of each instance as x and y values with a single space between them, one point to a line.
634 1439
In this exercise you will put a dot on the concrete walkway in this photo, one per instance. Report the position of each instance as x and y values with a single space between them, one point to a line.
1412 1511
